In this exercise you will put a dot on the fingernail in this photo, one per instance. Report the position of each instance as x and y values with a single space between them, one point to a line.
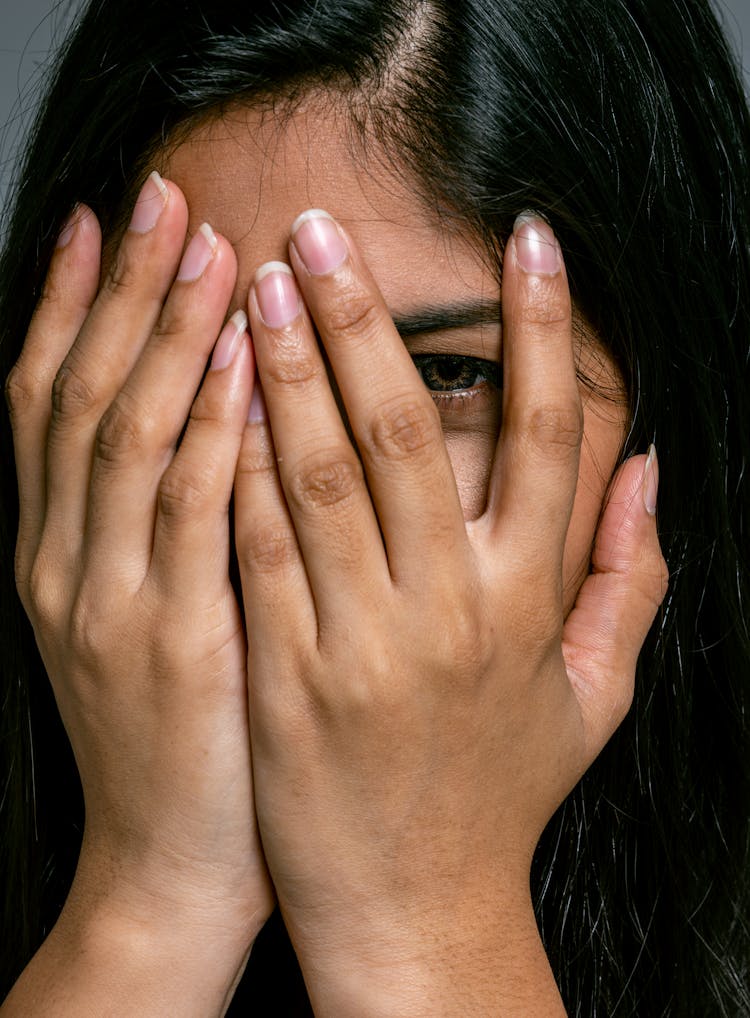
318 242
198 254
229 341
650 482
66 234
150 204
257 412
537 250
277 294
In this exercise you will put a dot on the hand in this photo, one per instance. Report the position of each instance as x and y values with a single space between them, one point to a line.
419 704
122 566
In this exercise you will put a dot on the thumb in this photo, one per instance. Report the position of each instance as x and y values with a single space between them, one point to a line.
617 602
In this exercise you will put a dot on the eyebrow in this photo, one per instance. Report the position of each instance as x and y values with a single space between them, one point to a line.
441 317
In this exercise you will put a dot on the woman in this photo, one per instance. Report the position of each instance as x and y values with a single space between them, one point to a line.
419 705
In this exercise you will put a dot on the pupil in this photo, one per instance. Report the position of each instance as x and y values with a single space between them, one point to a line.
450 373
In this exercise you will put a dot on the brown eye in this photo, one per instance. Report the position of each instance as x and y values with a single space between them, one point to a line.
447 373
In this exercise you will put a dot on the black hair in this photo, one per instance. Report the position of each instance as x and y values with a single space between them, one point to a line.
625 123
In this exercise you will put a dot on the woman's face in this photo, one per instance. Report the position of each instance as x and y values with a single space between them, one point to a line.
250 174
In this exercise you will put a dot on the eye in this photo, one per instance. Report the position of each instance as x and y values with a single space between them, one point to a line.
448 375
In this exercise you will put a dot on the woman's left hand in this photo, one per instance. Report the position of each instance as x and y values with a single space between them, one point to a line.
419 704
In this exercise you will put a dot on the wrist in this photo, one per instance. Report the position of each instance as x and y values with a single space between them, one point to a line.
119 951
445 963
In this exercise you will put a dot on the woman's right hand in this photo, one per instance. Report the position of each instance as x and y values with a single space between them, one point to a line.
122 566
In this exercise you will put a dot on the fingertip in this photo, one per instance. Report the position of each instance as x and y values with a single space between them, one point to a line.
650 481
537 250
535 293
257 413
73 274
635 485
80 228
230 341
627 537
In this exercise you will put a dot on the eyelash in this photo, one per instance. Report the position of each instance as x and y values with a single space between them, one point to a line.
483 373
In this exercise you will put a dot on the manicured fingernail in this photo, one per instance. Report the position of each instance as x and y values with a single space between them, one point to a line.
229 341
537 250
257 412
150 204
198 254
318 242
650 482
66 234
277 294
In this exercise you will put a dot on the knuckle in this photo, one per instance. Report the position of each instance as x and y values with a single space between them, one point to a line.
324 481
72 395
180 495
353 314
122 435
663 574
399 430
554 427
257 457
21 391
290 363
267 548
169 329
40 591
211 408
52 295
656 583
21 574
544 307
120 280
470 639
89 632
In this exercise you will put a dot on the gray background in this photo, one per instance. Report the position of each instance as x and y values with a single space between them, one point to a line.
29 28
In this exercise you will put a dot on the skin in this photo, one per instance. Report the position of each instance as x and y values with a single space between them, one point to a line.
250 183
419 702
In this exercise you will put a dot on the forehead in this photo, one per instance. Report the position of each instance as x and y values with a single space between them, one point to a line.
251 172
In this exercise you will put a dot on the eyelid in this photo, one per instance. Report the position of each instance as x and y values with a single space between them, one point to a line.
482 342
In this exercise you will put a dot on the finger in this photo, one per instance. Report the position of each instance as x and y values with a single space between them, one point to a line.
69 291
618 601
533 480
279 607
108 344
394 421
320 472
137 436
191 537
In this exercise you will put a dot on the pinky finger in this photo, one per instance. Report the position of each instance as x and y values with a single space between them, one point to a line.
191 535
69 292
